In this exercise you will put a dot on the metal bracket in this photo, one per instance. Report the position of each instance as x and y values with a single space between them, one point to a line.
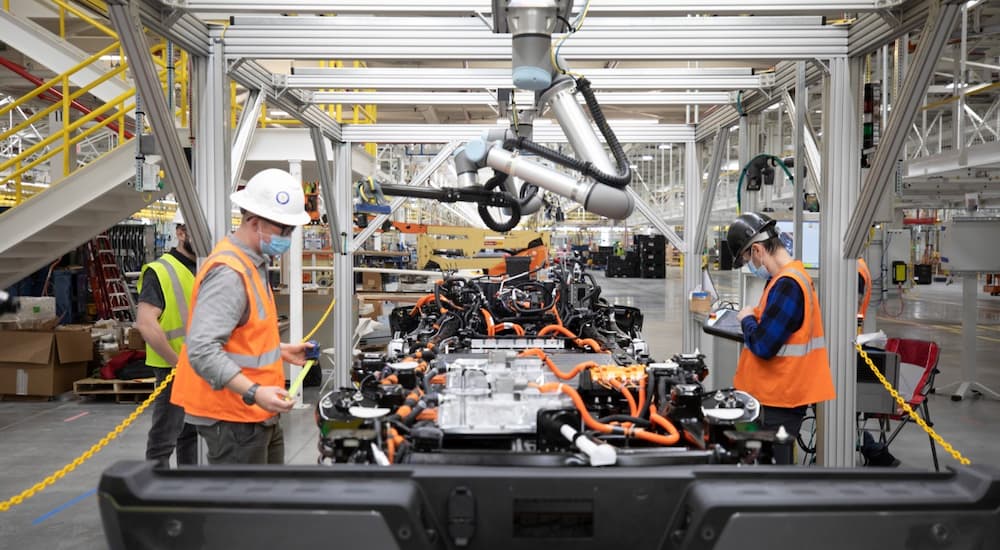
820 65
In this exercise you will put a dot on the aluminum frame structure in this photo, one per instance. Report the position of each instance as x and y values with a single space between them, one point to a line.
838 291
490 98
679 38
880 176
543 132
474 7
147 84
445 78
212 145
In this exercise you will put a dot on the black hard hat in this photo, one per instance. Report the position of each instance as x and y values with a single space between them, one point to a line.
747 229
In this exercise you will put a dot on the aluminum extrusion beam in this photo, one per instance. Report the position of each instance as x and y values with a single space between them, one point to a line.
678 38
656 220
212 145
175 163
797 112
184 29
881 174
839 290
489 98
254 76
543 133
441 78
343 269
326 187
712 184
754 101
692 254
809 145
472 7
244 135
872 30
425 173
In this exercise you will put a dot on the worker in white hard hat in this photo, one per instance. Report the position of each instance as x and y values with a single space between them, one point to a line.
161 318
230 376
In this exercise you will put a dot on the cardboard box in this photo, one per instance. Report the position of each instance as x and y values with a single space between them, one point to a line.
701 302
371 281
133 339
44 363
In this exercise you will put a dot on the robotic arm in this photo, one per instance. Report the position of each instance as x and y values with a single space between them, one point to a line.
601 185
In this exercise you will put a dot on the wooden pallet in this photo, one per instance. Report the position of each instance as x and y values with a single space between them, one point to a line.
123 391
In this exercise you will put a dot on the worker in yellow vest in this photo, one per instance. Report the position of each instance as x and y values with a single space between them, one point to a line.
783 363
161 317
864 290
230 376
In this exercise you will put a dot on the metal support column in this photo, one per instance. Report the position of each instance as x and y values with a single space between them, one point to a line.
970 317
245 129
147 83
344 319
326 188
798 146
212 147
692 254
708 197
880 178
838 286
294 271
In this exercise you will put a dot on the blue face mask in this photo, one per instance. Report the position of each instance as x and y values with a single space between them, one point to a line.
758 271
277 246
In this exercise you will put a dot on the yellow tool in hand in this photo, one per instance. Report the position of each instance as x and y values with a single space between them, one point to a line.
312 357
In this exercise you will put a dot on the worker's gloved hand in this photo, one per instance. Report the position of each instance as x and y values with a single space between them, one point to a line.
273 399
313 351
744 313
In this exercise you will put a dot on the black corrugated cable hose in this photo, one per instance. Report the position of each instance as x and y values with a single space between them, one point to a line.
515 209
620 180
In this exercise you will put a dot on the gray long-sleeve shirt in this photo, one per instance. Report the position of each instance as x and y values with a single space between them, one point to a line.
222 306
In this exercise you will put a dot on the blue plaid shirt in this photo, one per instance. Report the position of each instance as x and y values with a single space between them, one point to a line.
782 316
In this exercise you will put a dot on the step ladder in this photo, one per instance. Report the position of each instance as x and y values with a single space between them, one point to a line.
111 294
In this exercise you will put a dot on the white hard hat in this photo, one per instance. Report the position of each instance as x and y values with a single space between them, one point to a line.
275 195
178 218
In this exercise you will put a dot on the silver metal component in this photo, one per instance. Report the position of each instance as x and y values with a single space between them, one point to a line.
626 132
600 199
174 162
243 137
440 78
879 179
493 395
326 185
479 345
576 125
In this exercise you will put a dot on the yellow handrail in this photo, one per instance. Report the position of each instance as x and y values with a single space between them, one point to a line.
71 141
72 127
83 15
39 115
55 80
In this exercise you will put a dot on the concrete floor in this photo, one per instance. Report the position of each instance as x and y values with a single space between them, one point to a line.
38 438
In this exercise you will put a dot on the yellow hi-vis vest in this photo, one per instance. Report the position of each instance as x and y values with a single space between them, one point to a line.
177 282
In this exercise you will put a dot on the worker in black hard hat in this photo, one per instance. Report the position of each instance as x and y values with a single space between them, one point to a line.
784 362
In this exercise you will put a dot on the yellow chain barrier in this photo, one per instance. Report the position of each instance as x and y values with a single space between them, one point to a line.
60 473
908 410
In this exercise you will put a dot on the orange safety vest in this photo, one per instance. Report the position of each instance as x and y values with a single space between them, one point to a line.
866 276
800 373
255 347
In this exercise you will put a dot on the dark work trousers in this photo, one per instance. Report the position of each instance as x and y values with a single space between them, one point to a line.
169 429
244 443
791 419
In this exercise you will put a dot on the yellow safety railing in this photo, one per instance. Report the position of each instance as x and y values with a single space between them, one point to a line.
115 111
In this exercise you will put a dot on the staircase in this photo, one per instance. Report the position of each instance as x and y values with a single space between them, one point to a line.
69 213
